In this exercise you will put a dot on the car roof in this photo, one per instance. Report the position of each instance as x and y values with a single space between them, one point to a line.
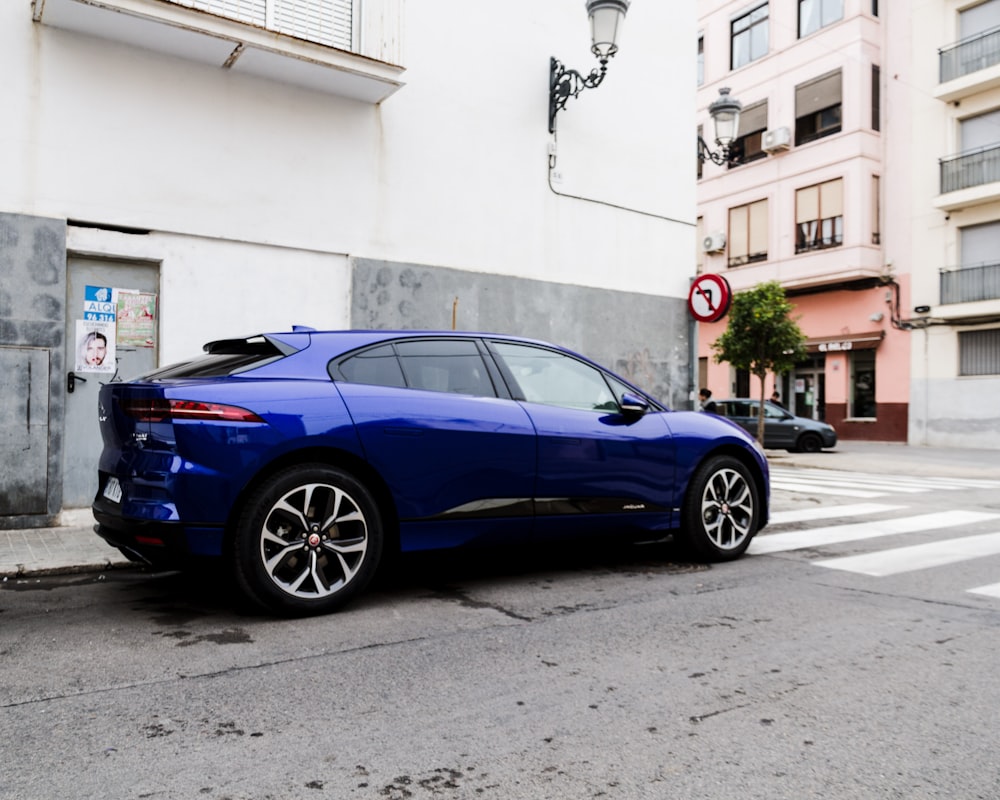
300 337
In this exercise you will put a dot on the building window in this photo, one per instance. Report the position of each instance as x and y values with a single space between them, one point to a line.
749 146
862 384
748 233
701 60
700 167
876 210
979 352
816 14
819 216
749 37
876 98
874 8
741 384
817 108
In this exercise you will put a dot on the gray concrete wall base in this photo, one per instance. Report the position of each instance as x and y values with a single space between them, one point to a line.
644 338
32 361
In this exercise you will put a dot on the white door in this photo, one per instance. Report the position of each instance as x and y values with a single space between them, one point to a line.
99 350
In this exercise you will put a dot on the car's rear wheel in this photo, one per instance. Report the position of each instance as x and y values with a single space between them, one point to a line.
308 540
721 509
809 443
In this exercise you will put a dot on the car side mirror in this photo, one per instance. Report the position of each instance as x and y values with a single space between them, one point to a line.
633 406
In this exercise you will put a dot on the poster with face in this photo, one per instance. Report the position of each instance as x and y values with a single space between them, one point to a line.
95 346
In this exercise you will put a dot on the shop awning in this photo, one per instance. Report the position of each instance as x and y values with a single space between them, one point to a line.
846 341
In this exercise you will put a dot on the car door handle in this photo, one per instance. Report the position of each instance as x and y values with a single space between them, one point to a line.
396 431
71 379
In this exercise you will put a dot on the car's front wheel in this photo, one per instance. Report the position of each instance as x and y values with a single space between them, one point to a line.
721 510
809 443
308 540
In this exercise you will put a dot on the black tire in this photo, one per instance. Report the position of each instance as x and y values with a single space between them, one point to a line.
308 540
721 511
809 443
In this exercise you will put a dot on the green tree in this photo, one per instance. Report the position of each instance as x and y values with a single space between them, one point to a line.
761 337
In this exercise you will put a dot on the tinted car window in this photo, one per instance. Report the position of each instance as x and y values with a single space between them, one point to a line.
734 408
216 365
770 412
377 366
554 379
445 365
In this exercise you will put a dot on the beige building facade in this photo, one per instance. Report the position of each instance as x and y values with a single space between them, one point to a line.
868 185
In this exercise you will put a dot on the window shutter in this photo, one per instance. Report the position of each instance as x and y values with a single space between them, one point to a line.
831 199
823 92
328 22
807 204
252 12
758 228
753 118
738 233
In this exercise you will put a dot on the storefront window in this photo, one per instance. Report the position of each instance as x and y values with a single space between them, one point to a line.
862 384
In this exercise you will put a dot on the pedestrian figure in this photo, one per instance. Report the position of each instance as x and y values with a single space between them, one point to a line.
707 403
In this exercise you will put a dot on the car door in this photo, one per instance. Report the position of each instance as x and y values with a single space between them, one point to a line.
458 458
779 427
740 412
598 468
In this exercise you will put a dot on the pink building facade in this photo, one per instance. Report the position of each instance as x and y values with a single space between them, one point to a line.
804 205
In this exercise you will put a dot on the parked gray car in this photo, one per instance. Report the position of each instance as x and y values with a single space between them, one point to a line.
782 430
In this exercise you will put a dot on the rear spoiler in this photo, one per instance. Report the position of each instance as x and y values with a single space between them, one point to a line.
283 344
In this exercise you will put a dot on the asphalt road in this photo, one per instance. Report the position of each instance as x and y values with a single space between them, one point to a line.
578 673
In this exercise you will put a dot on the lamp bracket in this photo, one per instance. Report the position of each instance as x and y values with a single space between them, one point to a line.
722 157
566 83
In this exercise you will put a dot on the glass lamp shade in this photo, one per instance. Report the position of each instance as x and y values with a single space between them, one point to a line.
725 113
606 17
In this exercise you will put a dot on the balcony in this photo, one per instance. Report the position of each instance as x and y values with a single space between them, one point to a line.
970 179
352 50
969 66
970 284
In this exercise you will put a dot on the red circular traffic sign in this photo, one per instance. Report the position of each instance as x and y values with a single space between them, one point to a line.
710 298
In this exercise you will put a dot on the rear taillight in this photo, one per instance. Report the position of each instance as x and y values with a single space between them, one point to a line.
162 410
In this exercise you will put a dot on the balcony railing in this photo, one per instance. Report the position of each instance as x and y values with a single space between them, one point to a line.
969 284
970 169
970 55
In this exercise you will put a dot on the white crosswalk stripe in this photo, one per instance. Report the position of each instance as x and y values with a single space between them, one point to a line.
838 534
828 512
886 560
866 485
993 590
920 556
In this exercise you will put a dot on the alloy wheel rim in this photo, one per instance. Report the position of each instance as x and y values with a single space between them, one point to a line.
313 541
727 509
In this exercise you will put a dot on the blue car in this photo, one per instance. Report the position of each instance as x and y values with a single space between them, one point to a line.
302 458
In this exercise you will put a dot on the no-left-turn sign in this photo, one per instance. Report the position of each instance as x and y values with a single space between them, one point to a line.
710 298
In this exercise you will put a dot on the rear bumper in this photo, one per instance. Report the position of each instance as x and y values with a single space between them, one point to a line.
159 543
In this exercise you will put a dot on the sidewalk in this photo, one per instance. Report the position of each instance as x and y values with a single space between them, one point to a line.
74 547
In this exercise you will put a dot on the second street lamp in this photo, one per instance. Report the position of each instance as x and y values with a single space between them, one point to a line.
725 112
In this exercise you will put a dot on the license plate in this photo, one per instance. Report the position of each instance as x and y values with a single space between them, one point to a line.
113 490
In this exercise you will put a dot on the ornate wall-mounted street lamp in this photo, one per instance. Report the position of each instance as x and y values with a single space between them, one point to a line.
725 113
606 17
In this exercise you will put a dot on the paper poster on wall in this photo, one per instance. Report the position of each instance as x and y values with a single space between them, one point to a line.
98 304
136 312
95 346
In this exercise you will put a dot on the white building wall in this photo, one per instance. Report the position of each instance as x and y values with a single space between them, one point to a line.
948 409
451 170
266 204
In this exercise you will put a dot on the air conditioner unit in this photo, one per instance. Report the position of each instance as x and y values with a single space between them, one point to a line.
714 243
777 140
